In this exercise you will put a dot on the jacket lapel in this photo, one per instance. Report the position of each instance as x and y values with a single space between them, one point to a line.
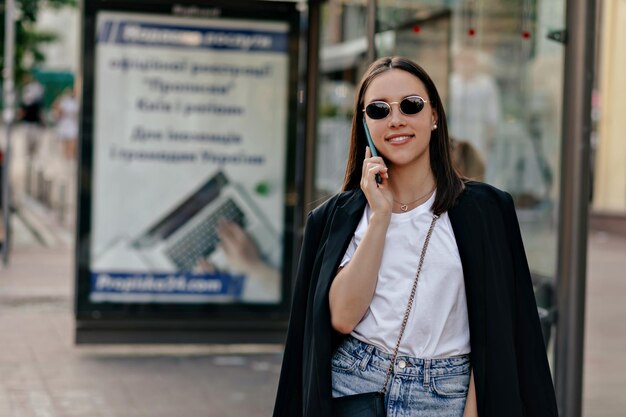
466 219
343 223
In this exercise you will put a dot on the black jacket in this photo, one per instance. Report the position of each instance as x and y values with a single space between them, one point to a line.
511 371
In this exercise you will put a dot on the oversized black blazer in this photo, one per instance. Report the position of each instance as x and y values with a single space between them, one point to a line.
511 372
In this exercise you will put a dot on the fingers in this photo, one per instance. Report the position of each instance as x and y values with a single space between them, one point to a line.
204 266
235 241
376 173
231 231
369 159
229 236
371 167
378 197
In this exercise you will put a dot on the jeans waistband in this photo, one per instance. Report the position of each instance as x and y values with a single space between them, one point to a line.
404 363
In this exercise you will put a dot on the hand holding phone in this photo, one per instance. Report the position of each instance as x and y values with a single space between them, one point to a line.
373 149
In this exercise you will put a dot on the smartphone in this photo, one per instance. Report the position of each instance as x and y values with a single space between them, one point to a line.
373 149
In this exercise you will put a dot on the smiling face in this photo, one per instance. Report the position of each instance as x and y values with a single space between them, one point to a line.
402 139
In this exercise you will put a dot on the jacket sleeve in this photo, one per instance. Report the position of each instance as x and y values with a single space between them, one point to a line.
535 380
289 394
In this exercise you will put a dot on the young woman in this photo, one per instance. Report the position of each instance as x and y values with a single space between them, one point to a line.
472 344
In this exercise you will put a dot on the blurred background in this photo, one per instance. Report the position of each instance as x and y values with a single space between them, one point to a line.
533 102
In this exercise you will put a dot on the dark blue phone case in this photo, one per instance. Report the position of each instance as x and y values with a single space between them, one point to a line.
370 142
373 149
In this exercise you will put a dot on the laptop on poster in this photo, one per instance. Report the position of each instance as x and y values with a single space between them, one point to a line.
188 232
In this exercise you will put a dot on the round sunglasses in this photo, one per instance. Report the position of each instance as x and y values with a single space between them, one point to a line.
409 105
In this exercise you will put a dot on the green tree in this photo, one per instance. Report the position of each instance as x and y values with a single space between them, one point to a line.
28 40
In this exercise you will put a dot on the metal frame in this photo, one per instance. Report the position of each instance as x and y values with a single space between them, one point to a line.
171 322
372 8
310 100
8 118
574 204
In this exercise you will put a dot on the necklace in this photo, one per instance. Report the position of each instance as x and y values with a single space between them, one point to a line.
405 206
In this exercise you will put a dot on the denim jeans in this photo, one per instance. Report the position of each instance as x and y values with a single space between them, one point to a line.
417 388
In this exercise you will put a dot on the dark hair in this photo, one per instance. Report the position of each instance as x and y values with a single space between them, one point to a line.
449 184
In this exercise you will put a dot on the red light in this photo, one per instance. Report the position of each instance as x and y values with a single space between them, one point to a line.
417 29
526 34
471 32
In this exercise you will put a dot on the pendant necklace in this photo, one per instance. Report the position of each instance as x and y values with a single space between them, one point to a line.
405 206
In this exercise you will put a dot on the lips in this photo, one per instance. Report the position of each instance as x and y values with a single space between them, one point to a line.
399 138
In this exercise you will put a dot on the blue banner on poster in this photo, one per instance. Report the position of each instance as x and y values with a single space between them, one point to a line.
177 287
185 36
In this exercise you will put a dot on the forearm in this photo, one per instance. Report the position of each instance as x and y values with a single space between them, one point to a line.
353 288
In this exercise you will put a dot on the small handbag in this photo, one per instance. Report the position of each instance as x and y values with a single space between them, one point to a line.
372 404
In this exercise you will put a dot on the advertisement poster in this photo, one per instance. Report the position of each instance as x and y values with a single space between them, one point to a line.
189 160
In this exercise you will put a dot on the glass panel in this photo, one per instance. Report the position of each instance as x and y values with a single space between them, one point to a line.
501 81
341 59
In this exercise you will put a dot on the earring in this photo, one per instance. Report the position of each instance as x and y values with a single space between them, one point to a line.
434 126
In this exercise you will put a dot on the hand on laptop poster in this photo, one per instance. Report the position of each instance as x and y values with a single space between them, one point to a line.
262 280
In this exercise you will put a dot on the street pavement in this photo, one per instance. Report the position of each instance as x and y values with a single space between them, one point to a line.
44 374
604 380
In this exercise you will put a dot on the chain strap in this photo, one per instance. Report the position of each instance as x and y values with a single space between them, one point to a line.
411 299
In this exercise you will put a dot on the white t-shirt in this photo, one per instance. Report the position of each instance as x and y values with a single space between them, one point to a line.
438 326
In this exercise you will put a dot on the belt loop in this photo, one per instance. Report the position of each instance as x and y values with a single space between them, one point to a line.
426 373
366 357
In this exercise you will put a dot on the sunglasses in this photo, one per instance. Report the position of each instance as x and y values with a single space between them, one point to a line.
409 105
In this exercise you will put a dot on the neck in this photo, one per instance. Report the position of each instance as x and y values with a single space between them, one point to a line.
406 184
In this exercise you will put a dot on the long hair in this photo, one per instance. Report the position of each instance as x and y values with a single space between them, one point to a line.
449 184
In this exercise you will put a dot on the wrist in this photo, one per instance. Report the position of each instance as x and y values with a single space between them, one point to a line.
380 218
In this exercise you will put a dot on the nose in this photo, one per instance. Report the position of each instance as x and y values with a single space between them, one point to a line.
396 118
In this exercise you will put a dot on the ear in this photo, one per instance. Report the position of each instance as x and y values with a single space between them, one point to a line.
434 118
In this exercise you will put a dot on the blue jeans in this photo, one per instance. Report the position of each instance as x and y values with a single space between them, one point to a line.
417 387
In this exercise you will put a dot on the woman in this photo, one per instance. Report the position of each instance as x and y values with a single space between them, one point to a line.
472 344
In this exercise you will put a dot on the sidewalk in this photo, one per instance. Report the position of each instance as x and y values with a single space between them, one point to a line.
604 373
45 374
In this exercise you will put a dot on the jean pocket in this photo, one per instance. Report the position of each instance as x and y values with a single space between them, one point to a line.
451 386
342 361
